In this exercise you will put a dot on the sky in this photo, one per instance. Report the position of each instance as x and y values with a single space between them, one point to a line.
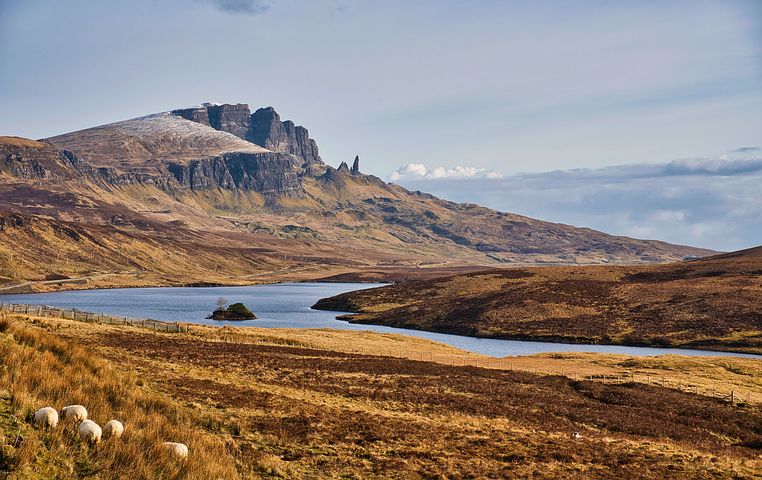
475 100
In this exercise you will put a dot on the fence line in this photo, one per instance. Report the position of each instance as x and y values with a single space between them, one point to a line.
74 314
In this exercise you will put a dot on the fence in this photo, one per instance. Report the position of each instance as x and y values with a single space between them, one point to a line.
74 314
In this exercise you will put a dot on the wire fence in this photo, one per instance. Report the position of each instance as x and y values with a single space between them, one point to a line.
74 314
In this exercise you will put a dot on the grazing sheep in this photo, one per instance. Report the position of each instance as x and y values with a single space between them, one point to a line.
113 428
76 413
576 436
179 450
90 431
46 417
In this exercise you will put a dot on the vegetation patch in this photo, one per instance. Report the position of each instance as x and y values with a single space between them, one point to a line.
695 304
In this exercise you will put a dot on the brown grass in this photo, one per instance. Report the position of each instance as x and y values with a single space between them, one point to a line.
712 303
21 142
40 369
292 406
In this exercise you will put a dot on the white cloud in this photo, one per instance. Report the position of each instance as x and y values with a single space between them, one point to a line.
713 201
417 171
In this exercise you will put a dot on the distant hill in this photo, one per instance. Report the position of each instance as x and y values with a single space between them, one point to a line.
184 180
713 303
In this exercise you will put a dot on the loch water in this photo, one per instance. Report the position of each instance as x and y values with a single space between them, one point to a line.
287 305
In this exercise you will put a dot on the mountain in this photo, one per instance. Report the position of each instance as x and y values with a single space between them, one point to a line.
185 180
713 303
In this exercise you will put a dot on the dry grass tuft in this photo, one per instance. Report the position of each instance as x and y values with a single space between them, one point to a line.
39 369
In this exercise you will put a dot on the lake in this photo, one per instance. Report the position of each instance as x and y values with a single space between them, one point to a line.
287 305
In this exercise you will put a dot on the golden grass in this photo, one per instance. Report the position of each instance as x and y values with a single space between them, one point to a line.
269 403
40 369
20 142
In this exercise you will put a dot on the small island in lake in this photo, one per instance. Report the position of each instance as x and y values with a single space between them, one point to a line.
236 311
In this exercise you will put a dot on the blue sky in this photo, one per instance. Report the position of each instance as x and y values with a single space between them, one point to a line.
504 86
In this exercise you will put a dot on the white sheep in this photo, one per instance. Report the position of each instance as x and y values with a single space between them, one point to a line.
113 428
90 431
76 413
179 450
46 417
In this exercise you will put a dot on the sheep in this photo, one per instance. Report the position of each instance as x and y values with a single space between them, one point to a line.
576 435
113 428
76 413
90 431
46 417
179 450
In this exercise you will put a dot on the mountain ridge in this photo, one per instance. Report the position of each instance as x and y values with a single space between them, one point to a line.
162 174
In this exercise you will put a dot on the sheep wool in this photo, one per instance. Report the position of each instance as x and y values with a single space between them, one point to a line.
76 413
113 428
179 450
46 417
90 431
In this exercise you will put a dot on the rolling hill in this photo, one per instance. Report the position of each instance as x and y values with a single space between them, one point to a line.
220 194
712 303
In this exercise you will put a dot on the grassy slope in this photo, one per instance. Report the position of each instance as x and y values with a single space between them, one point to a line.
136 233
712 303
292 404
40 369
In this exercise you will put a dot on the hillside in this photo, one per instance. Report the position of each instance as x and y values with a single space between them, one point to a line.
175 180
713 303
270 403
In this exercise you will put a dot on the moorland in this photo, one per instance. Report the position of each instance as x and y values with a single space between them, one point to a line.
711 303
263 403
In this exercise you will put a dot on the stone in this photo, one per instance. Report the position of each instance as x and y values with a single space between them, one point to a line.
267 130
263 127
356 165
234 119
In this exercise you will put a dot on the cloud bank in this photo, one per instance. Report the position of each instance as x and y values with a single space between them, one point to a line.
712 202
417 171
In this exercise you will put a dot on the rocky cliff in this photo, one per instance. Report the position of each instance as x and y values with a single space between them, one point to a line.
271 174
31 160
263 127
195 149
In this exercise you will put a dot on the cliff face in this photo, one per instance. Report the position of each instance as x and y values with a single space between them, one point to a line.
268 131
263 127
32 160
267 173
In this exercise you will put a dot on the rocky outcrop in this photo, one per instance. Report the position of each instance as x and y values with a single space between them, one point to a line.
271 174
263 127
198 114
32 160
234 119
231 118
268 131
356 165
343 167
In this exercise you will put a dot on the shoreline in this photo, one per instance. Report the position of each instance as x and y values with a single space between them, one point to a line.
409 332
562 340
